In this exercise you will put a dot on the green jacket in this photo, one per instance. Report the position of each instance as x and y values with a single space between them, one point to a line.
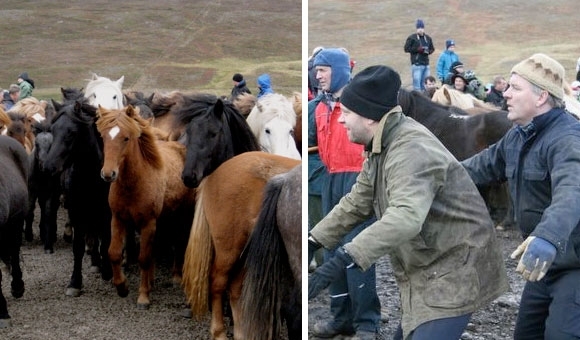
25 89
431 220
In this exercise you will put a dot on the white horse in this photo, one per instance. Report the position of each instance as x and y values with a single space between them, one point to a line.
272 121
105 92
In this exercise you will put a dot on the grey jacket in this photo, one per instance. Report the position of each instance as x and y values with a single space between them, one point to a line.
431 220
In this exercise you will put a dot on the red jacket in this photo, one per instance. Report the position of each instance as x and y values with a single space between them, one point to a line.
336 151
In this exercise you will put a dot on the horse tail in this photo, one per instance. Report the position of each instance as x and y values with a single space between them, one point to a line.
198 259
266 262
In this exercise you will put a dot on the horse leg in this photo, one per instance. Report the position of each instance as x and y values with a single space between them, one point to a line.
219 281
118 232
105 232
76 281
235 295
146 264
4 316
29 219
15 235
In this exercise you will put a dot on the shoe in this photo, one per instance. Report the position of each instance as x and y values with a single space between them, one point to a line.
326 330
364 335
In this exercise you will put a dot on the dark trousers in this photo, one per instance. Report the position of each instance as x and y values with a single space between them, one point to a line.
354 303
550 308
444 329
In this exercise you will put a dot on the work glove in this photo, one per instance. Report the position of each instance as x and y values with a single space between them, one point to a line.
538 255
313 246
328 272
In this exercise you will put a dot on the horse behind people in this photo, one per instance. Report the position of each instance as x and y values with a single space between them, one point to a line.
273 262
146 194
228 203
13 203
273 120
105 92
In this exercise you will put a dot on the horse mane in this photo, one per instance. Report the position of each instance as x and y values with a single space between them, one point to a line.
269 107
96 82
138 99
244 102
129 120
29 107
410 100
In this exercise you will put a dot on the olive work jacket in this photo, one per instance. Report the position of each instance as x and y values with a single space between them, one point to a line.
431 220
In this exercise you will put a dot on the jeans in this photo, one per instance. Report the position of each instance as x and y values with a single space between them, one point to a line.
354 303
447 328
550 308
419 73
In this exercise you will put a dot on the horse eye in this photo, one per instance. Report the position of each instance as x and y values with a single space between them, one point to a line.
115 97
268 131
126 139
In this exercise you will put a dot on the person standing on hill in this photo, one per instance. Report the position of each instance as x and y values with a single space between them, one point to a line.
446 60
419 45
26 85
264 85
239 86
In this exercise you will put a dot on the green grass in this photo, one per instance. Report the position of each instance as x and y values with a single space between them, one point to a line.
169 45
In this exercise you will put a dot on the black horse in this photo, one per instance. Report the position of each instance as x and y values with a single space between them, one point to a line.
78 146
13 206
43 186
213 131
463 135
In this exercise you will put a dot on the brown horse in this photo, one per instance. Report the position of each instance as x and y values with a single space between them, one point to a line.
273 262
146 193
227 206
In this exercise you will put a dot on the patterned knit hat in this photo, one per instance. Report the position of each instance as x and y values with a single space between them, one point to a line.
544 72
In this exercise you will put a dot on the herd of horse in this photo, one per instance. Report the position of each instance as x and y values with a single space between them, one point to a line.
220 181
186 168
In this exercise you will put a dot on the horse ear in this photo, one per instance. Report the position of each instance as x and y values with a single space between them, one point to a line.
218 109
56 105
120 82
94 76
130 110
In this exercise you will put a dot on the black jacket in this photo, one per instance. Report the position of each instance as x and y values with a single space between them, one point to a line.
413 44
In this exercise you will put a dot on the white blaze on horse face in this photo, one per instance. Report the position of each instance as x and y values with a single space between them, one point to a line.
114 132
38 117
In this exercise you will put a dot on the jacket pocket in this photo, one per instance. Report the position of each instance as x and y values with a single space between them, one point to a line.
453 290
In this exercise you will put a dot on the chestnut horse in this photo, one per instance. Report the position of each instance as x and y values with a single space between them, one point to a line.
146 193
273 262
227 206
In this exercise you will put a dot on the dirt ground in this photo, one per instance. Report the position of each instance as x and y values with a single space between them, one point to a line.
44 312
496 321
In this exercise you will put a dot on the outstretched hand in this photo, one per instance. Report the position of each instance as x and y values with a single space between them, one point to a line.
538 255
328 272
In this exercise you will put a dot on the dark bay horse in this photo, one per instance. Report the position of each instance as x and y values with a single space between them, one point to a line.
146 194
463 135
13 203
273 260
212 130
43 186
78 146
227 206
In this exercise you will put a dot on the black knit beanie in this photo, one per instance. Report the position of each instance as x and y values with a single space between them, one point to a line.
238 77
372 92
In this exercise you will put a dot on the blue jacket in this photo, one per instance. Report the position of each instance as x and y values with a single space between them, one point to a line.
541 163
446 59
264 84
316 169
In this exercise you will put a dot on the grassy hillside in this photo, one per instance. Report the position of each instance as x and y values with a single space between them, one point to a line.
491 36
165 45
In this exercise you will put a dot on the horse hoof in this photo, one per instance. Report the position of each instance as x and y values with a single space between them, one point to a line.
67 238
74 292
4 323
186 313
94 270
17 292
122 290
143 306
28 236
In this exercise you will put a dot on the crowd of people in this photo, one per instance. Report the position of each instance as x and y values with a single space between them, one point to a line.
381 184
15 92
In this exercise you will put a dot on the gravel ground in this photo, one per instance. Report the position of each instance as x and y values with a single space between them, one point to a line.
496 321
44 312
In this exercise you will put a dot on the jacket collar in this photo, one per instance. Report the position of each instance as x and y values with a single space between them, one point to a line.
383 136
